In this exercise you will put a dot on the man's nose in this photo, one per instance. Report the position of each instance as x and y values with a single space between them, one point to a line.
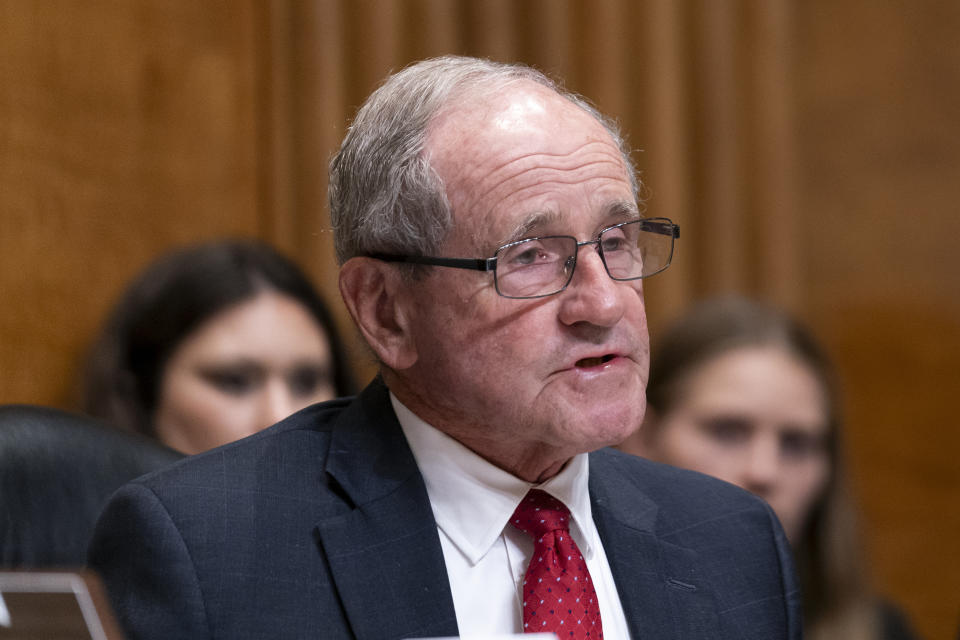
592 295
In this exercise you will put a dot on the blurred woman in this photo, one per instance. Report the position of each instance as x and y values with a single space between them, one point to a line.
212 343
742 392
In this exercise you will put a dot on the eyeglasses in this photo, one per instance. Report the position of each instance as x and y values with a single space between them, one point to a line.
539 267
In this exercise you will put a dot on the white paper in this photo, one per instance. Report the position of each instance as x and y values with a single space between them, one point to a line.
4 613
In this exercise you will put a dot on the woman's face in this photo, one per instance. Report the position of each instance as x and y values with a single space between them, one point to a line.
755 417
242 370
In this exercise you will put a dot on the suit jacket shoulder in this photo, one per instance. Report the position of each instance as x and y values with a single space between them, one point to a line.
692 556
321 526
317 526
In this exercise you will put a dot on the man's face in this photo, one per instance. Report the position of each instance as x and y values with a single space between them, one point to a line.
528 383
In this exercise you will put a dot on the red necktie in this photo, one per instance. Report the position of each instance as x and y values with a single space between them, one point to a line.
558 594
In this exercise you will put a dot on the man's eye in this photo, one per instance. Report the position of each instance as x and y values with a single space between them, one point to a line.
548 251
616 243
530 255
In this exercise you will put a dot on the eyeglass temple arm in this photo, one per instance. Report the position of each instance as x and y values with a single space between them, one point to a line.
476 264
662 226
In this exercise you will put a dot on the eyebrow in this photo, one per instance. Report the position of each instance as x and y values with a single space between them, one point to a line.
615 212
533 221
623 210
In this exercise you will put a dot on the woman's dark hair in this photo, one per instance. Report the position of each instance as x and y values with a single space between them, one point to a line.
719 325
171 298
827 554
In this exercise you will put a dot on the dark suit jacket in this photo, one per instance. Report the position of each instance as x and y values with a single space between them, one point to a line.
320 527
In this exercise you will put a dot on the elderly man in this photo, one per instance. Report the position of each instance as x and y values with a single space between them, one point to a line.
492 254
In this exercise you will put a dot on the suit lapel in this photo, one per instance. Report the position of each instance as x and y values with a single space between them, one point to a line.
387 563
384 554
657 581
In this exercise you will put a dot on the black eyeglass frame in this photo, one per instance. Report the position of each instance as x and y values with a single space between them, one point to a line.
662 226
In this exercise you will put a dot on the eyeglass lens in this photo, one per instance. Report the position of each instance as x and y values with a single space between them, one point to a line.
543 266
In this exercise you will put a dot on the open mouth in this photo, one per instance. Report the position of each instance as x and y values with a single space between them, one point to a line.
594 362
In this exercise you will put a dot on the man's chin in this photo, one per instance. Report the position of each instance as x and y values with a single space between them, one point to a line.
602 429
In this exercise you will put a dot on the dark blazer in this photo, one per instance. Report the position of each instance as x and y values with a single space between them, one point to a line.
321 527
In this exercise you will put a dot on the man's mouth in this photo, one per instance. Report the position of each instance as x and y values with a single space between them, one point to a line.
594 362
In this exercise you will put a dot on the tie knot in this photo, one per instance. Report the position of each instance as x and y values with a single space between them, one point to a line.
540 513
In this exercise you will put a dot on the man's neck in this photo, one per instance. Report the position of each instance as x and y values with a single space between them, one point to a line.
534 462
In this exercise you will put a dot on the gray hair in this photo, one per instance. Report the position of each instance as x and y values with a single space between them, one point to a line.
384 195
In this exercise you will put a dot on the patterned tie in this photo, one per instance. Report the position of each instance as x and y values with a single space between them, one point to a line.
558 594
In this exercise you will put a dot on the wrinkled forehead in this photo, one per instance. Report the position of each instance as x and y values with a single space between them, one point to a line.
504 115
507 150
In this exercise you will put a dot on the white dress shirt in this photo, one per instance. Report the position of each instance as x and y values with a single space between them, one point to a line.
472 501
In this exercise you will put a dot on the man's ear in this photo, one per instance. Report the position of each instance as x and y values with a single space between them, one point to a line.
372 291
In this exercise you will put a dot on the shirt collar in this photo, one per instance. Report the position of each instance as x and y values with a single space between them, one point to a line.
472 499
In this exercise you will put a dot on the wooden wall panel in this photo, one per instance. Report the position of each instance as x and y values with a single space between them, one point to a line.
125 128
809 151
878 88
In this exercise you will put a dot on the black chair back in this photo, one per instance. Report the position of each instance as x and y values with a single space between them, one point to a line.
57 470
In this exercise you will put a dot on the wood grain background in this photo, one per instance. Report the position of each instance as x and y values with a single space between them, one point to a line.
809 149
